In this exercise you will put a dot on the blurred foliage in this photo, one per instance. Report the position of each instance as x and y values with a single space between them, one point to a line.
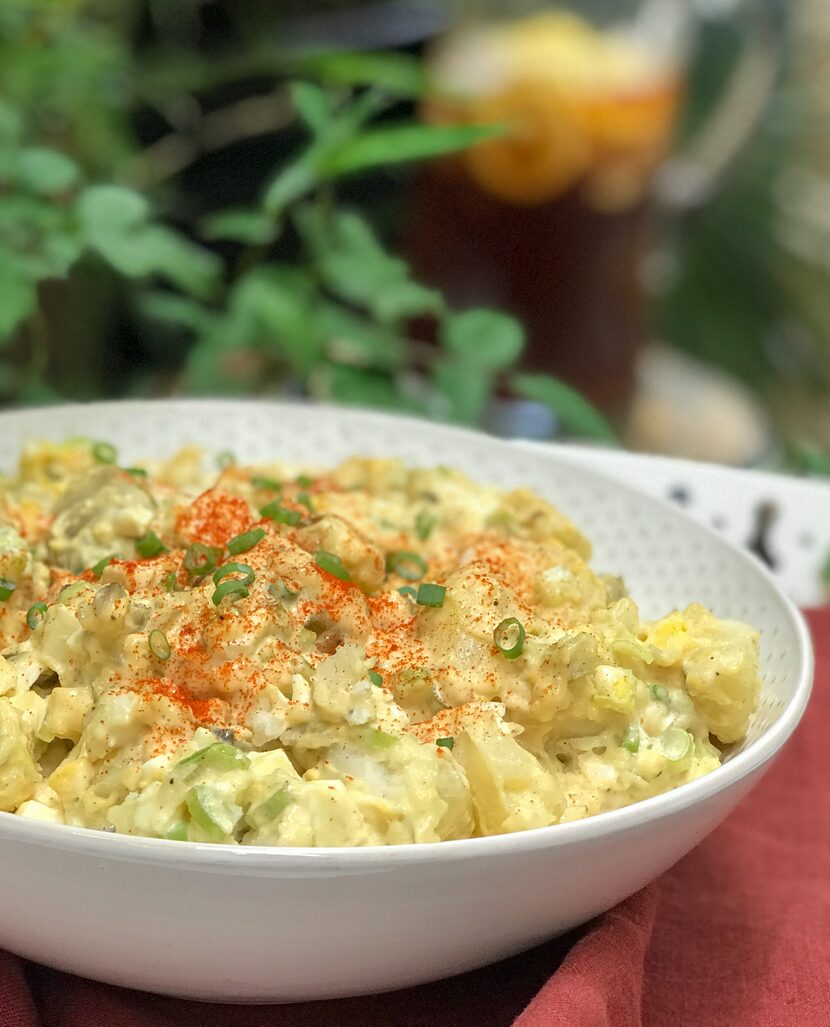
749 286
104 114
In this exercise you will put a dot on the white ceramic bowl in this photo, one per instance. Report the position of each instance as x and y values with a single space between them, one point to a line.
258 924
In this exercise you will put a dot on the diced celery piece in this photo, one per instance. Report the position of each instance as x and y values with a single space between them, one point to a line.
382 740
218 756
210 811
178 832
271 808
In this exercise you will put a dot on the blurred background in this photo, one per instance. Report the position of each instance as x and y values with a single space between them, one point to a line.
606 219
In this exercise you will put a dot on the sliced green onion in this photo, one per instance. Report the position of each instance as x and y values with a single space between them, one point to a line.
446 743
304 481
136 472
430 595
277 512
225 459
229 588
676 743
247 573
406 564
375 678
425 523
200 559
7 586
407 590
170 582
659 692
218 756
70 591
247 540
151 545
631 739
98 569
281 592
158 644
209 809
304 499
266 483
271 807
331 564
37 611
105 453
509 637
382 740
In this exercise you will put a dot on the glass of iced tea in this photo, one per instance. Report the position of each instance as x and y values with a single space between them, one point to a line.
550 219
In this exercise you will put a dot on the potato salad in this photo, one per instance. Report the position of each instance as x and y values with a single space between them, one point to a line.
366 655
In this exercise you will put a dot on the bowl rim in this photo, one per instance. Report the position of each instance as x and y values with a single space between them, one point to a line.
219 857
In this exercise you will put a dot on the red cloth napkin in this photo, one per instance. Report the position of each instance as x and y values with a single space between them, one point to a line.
737 934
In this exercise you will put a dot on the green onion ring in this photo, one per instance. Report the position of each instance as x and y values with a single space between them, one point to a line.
232 587
98 569
509 637
104 453
158 644
408 565
430 595
200 559
247 540
277 512
150 546
271 484
37 611
234 568
331 564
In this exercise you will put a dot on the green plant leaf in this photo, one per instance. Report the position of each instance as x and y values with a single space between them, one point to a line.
809 459
312 104
360 387
396 73
356 268
175 309
276 304
291 184
109 209
18 295
396 144
575 413
484 337
466 388
240 225
114 223
158 250
352 340
44 172
209 369
60 249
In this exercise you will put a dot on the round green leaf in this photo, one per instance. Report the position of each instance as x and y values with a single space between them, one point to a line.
484 338
240 225
110 209
45 172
